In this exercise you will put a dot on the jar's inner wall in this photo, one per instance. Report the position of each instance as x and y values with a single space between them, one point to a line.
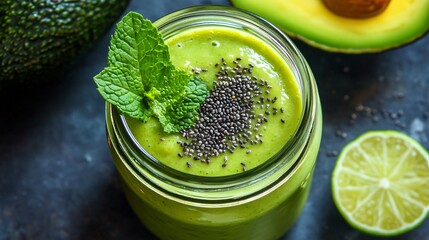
248 117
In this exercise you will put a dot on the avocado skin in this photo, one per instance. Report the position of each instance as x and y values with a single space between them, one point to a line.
40 38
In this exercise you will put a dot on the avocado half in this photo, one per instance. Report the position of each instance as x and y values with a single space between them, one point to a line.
401 22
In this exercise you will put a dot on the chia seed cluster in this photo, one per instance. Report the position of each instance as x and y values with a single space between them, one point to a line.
226 119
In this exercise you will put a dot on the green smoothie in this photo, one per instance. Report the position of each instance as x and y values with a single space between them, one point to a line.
203 48
258 189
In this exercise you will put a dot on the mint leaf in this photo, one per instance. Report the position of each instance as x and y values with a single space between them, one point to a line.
117 86
137 44
141 81
177 110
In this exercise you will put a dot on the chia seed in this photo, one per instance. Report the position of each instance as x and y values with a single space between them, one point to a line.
274 100
341 134
332 153
225 118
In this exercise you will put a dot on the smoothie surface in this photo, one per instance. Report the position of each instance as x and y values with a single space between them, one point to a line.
203 48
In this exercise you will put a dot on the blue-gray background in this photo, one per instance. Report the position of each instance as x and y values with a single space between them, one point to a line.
58 181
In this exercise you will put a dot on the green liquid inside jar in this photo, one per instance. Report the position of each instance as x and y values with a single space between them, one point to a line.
203 48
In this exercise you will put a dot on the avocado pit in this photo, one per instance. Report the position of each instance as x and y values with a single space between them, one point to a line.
356 8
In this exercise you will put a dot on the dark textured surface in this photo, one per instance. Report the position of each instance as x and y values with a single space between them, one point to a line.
57 179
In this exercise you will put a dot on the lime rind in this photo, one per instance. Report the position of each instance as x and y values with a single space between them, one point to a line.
339 168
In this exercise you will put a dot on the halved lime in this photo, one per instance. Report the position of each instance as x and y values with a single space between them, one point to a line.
380 183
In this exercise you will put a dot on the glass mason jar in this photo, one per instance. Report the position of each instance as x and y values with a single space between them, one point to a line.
259 204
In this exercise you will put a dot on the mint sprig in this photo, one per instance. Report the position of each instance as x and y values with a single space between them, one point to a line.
141 81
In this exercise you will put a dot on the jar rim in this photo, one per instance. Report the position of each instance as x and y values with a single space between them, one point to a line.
301 73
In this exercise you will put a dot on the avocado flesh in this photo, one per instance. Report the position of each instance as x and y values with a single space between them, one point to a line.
40 38
400 23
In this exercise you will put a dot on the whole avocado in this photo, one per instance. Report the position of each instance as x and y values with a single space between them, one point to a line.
39 38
